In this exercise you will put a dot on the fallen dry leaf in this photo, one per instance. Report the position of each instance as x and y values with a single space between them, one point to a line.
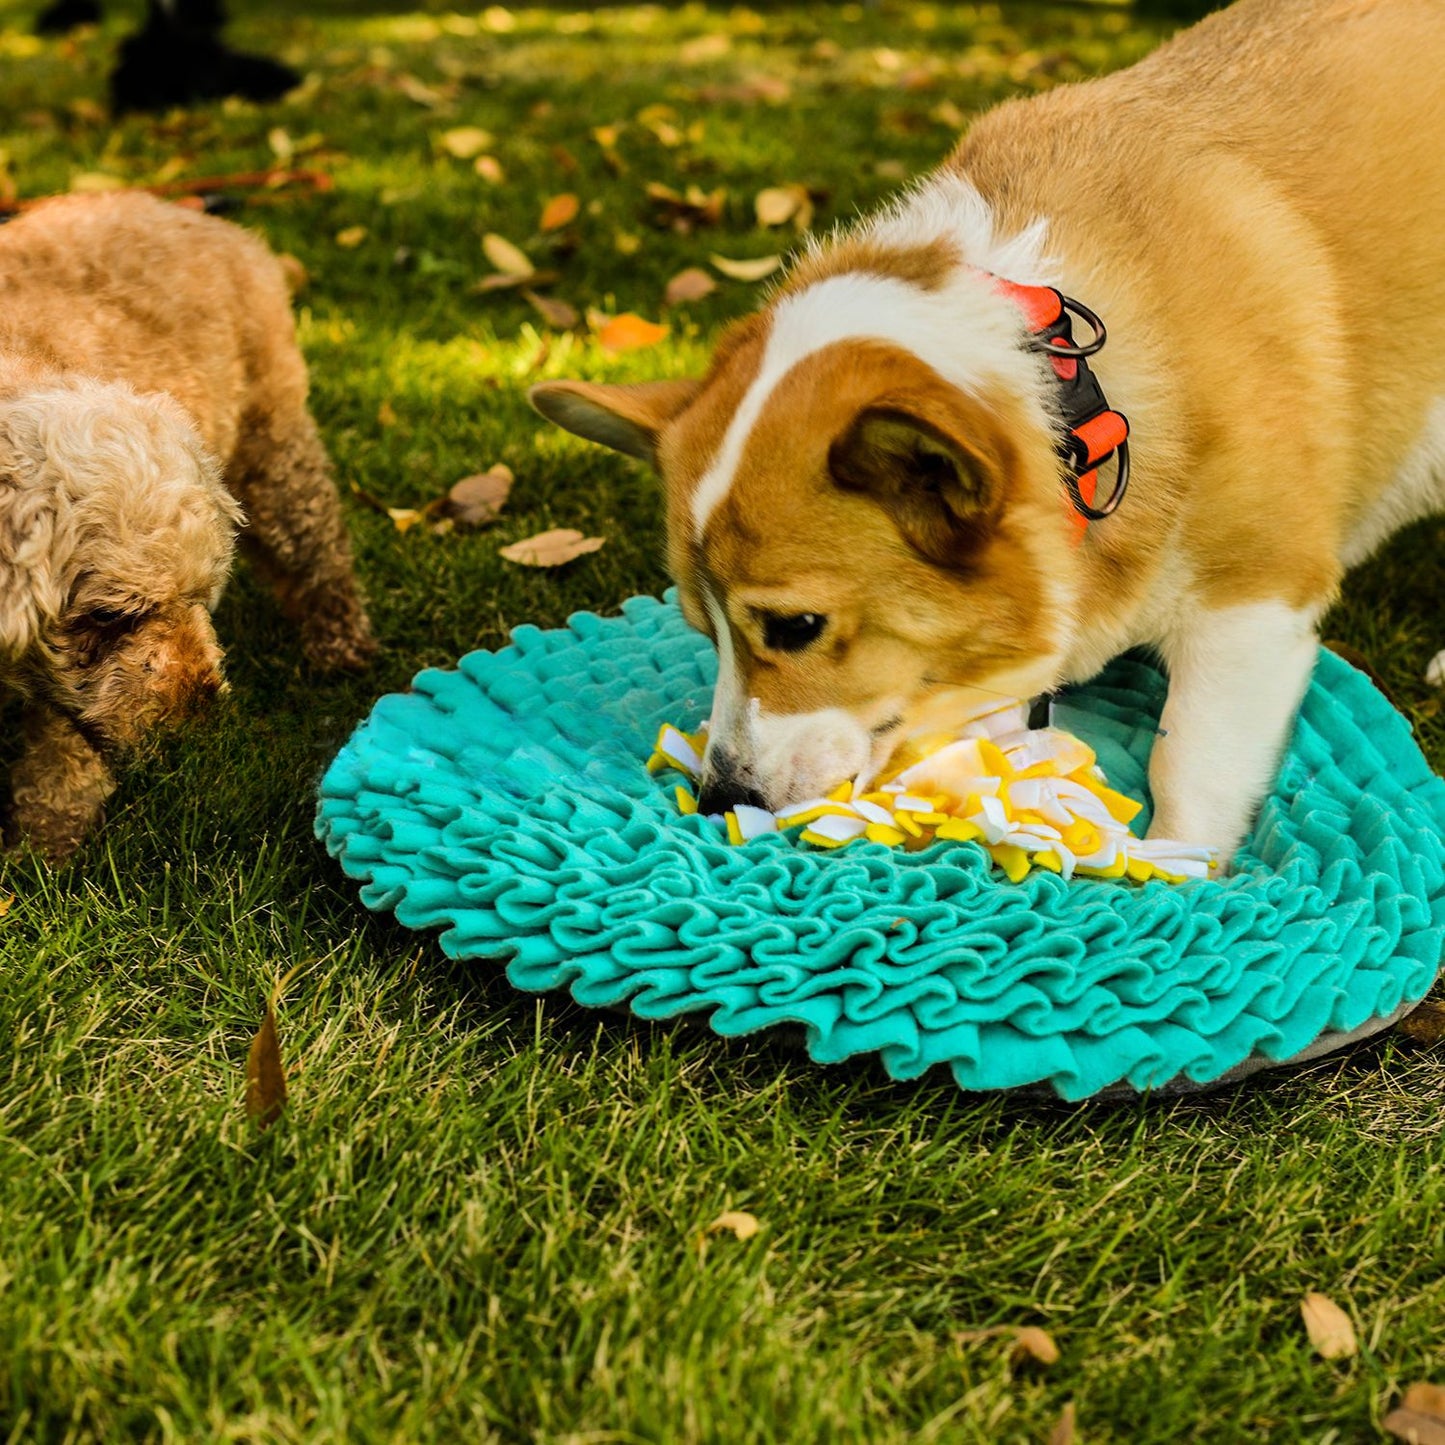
351 237
1063 1431
947 113
629 332
559 211
90 182
704 48
552 311
430 96
505 280
1328 1327
1031 1345
265 1074
477 500
690 285
510 260
742 1224
386 414
1426 1025
683 210
777 205
489 168
404 518
465 141
282 146
7 902
748 270
1420 1416
551 549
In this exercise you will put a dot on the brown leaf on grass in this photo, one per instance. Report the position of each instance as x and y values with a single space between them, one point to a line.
489 168
685 210
559 211
478 500
386 414
1032 1346
7 902
553 311
465 141
741 1224
551 549
629 332
1420 1416
265 1074
1426 1025
1063 1431
752 269
510 260
777 205
690 285
505 281
1328 1326
351 237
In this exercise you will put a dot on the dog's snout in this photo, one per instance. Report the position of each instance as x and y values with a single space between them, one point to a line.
725 787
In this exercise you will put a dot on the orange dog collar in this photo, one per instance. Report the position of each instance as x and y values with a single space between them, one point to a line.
1095 431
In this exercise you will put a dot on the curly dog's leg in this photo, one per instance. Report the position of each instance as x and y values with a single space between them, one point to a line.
58 787
296 534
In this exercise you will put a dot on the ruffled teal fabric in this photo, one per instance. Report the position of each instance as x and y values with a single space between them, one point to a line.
507 804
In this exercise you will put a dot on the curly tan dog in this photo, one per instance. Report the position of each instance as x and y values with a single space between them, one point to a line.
151 395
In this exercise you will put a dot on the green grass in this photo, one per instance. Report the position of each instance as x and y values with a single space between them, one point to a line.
483 1216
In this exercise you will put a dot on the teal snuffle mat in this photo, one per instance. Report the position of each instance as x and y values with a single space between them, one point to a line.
507 804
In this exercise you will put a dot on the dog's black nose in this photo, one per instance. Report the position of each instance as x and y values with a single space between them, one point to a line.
724 787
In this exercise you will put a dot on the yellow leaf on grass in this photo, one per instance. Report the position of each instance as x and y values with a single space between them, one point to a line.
1031 1345
90 182
489 168
1328 1327
282 146
559 211
386 414
750 270
629 332
777 205
265 1074
465 141
7 902
404 518
551 549
742 1224
510 260
690 285
351 237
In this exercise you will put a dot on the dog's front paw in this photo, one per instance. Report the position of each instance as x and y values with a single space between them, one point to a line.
338 640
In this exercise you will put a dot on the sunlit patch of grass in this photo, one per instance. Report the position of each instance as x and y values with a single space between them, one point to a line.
483 1217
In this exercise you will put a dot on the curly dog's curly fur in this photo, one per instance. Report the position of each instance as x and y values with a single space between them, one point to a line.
152 396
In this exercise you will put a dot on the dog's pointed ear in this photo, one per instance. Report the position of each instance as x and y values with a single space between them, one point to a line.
626 418
942 488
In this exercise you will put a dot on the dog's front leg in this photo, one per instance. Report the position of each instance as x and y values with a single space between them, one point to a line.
58 787
1236 676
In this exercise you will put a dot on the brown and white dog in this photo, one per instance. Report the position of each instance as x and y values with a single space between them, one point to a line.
866 504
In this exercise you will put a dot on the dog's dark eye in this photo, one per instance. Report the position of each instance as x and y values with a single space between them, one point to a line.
111 619
792 632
